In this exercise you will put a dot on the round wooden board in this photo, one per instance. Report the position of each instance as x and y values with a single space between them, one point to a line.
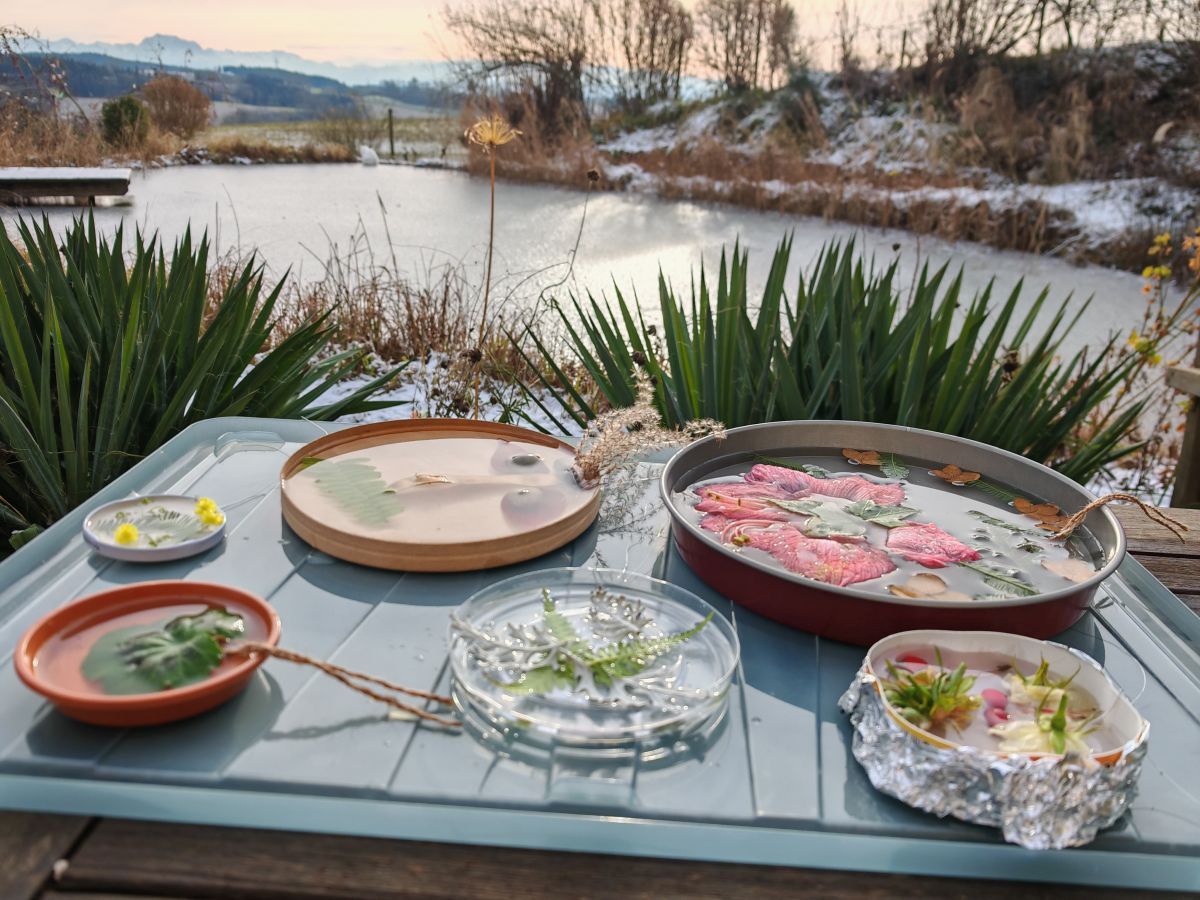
451 530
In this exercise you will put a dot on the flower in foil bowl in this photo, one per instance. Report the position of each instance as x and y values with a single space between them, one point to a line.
1023 735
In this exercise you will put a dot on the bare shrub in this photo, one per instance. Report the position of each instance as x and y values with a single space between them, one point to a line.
1076 24
644 45
961 35
745 43
541 48
176 106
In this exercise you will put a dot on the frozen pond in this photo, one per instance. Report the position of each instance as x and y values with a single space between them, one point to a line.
292 215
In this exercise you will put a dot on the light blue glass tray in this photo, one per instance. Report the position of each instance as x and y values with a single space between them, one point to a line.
776 784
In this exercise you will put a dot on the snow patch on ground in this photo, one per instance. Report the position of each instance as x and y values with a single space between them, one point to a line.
897 142
904 138
414 391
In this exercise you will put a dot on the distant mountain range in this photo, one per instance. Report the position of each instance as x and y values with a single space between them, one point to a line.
169 50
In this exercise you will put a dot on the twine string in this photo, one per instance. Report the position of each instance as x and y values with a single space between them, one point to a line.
350 679
1153 513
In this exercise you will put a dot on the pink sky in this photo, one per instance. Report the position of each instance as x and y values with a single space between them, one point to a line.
341 30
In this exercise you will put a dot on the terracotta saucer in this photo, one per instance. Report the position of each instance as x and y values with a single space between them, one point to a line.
126 710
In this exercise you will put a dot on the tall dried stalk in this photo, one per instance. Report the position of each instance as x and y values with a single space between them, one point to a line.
490 134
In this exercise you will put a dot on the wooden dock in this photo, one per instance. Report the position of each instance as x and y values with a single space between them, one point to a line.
28 184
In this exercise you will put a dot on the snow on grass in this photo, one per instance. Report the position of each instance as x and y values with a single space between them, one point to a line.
415 395
903 138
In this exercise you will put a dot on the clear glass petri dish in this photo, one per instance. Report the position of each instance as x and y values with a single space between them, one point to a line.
592 657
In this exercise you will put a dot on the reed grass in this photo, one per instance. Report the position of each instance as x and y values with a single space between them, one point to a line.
847 345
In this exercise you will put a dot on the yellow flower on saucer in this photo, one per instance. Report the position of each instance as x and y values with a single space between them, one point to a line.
209 513
126 534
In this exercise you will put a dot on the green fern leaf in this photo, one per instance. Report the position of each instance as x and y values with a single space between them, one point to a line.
892 467
557 624
1005 584
358 489
541 681
999 523
995 490
626 658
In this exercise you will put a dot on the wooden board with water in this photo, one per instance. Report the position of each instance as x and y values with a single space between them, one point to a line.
436 495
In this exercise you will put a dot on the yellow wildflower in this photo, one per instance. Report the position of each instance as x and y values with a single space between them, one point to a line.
491 133
208 512
126 534
212 517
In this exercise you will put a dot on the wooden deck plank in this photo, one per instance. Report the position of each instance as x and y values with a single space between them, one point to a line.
1144 534
262 865
24 182
1173 562
30 845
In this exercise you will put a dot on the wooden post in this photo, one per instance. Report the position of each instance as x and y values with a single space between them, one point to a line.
392 132
1187 472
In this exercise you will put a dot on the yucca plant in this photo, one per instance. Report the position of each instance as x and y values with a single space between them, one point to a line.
847 345
104 356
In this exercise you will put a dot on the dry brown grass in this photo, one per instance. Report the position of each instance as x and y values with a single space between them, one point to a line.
231 149
29 138
431 319
709 170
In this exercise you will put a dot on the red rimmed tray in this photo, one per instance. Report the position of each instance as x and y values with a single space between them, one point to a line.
854 614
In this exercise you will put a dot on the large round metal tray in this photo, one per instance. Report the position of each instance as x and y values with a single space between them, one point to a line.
856 615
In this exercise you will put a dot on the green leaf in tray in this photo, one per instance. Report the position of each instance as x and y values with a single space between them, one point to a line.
181 651
627 658
887 516
541 681
606 664
1004 583
560 626
825 519
357 488
995 490
987 519
892 467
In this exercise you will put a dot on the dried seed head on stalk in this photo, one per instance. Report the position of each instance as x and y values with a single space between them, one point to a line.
616 436
491 133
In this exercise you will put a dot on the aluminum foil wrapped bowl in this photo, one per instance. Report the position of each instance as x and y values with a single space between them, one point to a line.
1039 801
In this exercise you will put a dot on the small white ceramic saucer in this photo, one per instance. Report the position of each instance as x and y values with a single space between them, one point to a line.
167 527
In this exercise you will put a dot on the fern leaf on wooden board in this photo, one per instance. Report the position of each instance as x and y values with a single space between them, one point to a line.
358 489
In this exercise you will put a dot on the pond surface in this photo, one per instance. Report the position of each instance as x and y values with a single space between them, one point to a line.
295 215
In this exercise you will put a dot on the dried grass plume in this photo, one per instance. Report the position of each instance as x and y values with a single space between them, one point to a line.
618 435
